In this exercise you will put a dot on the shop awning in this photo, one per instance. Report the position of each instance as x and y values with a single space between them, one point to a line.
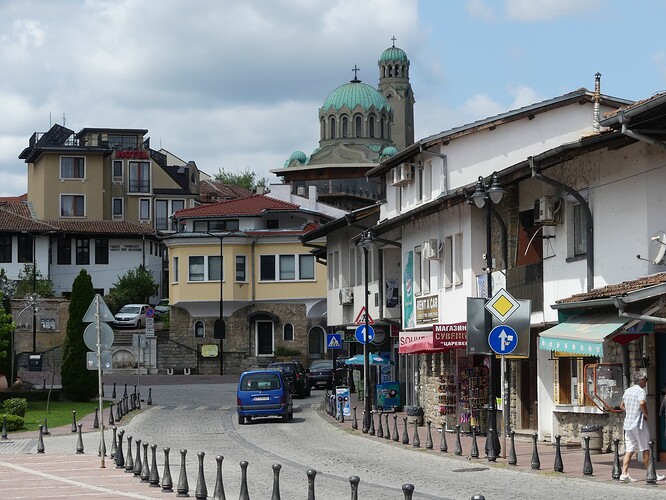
424 346
583 334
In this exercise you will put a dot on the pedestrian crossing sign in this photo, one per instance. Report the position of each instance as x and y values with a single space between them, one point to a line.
333 341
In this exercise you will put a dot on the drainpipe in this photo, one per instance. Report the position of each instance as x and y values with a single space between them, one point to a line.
597 101
586 210
624 121
254 295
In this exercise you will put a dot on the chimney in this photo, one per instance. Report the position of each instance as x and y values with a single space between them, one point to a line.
300 191
259 190
597 100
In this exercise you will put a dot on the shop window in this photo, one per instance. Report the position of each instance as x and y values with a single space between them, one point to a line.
567 375
603 385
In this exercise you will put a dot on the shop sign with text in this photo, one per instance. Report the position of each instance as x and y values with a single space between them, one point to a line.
427 309
451 336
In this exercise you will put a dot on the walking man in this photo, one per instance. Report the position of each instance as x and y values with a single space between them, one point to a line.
636 432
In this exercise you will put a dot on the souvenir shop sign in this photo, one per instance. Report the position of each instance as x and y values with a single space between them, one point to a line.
451 336
427 309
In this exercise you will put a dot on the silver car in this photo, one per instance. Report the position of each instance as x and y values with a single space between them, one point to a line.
132 315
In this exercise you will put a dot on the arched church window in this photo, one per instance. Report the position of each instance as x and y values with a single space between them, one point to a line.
345 127
332 127
381 128
371 126
322 131
390 68
358 130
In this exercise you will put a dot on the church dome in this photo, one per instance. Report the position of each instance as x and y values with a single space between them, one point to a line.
299 156
389 151
393 54
353 94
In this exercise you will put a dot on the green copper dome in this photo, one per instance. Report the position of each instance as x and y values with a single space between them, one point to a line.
353 94
393 54
389 151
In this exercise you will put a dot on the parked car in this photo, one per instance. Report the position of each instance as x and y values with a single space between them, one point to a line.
321 373
263 393
296 375
132 315
162 308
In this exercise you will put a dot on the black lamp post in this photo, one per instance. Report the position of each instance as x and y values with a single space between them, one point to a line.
366 243
485 196
219 328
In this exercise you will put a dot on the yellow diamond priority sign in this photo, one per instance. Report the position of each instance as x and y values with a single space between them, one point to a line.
502 305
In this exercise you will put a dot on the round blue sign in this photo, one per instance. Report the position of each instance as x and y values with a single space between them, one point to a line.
503 339
361 335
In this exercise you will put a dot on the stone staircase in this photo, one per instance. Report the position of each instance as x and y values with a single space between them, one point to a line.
255 363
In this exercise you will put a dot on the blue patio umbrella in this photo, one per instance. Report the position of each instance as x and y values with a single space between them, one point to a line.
373 359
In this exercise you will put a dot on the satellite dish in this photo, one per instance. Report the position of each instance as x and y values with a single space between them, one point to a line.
657 252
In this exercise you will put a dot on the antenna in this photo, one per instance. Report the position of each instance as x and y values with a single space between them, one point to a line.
64 120
657 251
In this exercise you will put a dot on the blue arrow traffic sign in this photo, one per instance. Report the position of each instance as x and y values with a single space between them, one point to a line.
360 334
333 341
503 339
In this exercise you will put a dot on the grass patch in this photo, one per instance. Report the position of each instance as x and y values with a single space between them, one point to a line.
60 413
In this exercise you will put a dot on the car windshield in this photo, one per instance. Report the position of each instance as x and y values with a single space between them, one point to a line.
163 302
130 309
260 382
324 364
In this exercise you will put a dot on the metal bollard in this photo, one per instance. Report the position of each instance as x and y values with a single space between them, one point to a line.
408 490
387 434
512 460
617 470
416 441
535 464
138 400
114 444
183 488
458 448
79 442
111 419
120 459
201 492
118 411
129 460
405 436
342 412
380 427
218 493
96 420
443 445
354 421
113 394
558 466
102 389
167 483
587 462
125 392
73 420
478 497
490 441
276 482
311 483
154 477
137 462
353 481
150 397
651 476
474 452
4 427
101 452
371 431
46 426
428 436
396 437
40 442
145 468
244 494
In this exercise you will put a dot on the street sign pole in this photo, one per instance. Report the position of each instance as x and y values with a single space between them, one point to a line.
505 404
99 375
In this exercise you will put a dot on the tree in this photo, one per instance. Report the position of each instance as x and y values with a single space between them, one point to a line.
6 328
26 283
78 383
245 179
135 286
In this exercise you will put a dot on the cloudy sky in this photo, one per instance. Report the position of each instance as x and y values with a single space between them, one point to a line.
237 84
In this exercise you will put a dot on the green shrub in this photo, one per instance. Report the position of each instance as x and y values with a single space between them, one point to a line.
286 351
14 423
16 406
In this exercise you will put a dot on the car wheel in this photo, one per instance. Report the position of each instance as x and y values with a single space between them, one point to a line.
241 419
309 391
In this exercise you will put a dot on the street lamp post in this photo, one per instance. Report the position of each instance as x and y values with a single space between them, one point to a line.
485 196
365 242
219 328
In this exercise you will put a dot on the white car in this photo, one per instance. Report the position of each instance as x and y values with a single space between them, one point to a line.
162 307
132 315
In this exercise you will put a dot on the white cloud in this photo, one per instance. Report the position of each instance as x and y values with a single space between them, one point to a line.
546 10
523 96
480 9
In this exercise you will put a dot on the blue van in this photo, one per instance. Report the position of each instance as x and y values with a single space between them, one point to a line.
263 393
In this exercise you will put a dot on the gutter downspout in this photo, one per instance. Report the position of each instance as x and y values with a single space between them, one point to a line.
624 121
586 210
254 295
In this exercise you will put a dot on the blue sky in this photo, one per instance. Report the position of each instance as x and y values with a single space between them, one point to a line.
237 84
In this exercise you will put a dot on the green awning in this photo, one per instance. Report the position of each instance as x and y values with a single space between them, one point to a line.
583 334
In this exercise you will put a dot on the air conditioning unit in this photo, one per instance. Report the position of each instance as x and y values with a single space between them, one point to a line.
432 249
346 296
402 174
544 210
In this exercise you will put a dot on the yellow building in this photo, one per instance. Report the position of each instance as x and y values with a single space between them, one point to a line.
242 260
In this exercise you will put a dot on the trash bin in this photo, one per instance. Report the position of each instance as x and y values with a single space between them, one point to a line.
35 363
416 412
596 435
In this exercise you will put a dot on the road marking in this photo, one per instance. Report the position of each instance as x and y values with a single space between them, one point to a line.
180 407
201 408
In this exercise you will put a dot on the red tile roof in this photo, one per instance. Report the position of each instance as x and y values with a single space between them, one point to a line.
283 232
211 191
14 199
249 206
616 290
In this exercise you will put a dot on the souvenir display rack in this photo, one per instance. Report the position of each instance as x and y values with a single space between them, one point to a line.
473 400
448 393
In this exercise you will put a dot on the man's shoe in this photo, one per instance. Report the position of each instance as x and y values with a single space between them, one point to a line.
660 477
627 478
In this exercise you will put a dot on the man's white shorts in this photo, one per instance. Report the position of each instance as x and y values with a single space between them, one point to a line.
637 439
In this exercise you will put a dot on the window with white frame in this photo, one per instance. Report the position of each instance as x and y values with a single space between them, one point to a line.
215 272
139 177
204 268
448 261
352 266
118 171
72 167
289 267
425 275
117 208
457 259
144 209
579 233
288 331
417 269
424 181
332 265
241 268
199 329
196 268
174 269
72 205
